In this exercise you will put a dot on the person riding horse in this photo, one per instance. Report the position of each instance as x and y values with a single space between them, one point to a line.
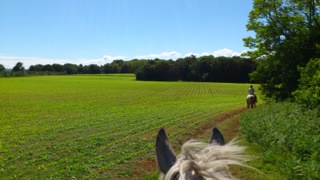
251 91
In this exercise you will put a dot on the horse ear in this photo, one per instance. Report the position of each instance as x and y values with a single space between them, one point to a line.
216 137
165 154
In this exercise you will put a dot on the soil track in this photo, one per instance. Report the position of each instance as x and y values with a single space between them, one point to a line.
146 165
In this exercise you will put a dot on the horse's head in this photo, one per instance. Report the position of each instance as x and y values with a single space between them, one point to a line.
198 160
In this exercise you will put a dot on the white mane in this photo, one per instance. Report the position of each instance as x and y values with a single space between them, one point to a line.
250 95
209 161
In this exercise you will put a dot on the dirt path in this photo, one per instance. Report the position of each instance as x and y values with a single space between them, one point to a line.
228 124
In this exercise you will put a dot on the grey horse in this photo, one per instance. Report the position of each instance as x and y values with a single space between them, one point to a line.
198 160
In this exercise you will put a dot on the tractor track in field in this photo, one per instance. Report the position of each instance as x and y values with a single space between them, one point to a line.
144 165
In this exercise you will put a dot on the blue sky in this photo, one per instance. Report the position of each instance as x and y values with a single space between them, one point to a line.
99 31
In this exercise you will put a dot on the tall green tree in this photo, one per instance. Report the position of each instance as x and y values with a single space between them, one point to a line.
36 68
58 68
71 68
308 92
18 67
94 69
286 35
2 68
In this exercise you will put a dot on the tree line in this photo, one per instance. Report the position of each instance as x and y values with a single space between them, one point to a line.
117 66
204 68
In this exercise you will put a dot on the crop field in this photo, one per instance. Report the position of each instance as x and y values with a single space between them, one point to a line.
87 126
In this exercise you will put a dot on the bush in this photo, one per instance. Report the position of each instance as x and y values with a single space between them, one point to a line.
289 136
308 93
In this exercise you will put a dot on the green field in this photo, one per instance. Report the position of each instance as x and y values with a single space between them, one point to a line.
87 126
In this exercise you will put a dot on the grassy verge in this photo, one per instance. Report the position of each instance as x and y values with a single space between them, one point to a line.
288 137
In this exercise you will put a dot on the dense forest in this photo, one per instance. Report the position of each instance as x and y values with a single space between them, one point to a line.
205 68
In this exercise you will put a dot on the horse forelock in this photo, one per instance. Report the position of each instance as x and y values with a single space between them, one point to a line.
200 160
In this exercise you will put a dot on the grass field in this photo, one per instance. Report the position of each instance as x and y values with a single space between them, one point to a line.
86 126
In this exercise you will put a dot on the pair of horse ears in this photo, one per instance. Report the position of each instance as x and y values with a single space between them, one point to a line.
166 157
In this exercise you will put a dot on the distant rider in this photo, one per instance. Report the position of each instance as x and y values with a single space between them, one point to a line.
251 91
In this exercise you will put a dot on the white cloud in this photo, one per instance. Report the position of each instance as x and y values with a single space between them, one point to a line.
99 61
109 59
205 54
222 52
225 52
10 61
190 54
163 55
